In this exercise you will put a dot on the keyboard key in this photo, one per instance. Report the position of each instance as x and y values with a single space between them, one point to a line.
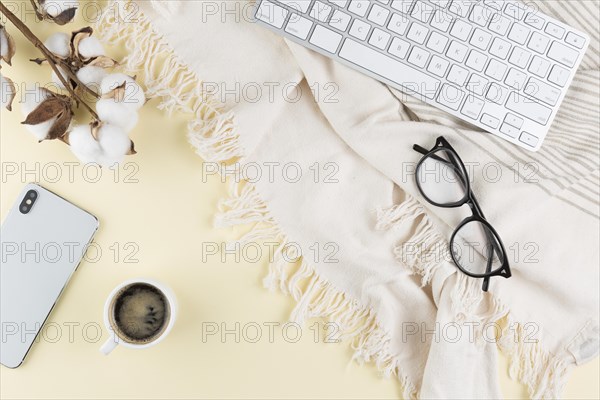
379 38
495 4
272 14
476 60
513 120
460 30
563 54
510 130
399 48
461 7
339 3
418 57
404 6
320 11
559 76
359 7
538 42
481 39
514 11
542 91
340 20
437 42
417 33
535 20
399 24
458 75
378 15
472 107
529 139
389 68
481 15
515 79
539 66
575 40
490 121
497 94
440 3
299 26
519 57
457 51
496 70
528 108
500 24
555 30
519 33
326 39
500 48
477 84
298 5
438 66
441 20
422 11
360 29
450 96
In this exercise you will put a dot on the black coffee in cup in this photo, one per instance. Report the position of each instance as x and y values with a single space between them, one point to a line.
140 313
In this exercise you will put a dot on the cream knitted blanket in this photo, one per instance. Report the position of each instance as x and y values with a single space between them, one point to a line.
328 153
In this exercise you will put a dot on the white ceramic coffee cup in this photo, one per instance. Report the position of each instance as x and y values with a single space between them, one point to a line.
114 338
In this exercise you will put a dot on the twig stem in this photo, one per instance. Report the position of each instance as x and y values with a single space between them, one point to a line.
53 61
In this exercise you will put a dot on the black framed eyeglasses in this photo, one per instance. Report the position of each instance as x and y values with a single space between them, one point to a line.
475 246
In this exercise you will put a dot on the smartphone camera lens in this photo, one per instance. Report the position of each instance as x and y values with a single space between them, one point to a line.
28 202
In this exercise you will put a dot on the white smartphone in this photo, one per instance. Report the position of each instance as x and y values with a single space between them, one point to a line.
44 238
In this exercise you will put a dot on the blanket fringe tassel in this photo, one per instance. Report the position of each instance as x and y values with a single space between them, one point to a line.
543 373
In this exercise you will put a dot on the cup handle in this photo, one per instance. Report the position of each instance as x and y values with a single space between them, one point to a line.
109 345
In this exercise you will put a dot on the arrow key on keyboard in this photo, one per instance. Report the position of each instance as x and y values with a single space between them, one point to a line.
529 139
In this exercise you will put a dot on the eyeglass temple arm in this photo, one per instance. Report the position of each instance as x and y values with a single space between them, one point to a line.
486 280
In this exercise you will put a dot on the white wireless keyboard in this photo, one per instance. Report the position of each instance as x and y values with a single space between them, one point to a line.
500 65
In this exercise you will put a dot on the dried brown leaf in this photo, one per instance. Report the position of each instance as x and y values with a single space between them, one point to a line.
132 149
11 46
52 107
95 128
64 17
60 126
77 37
117 94
103 62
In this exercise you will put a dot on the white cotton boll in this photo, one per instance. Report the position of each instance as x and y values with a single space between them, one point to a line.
91 77
59 43
32 98
90 47
56 7
3 43
114 141
134 94
40 131
117 114
83 144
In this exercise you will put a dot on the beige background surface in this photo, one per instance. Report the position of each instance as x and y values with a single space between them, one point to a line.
157 211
